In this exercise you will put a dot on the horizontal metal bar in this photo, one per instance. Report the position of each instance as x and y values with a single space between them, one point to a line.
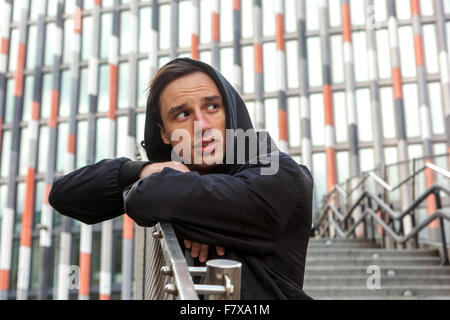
209 289
197 271
438 169
341 191
380 181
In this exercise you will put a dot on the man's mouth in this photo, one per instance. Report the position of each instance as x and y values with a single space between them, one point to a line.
207 146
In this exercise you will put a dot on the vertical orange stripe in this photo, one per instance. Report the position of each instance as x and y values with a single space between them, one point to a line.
71 143
18 76
415 7
27 216
379 228
215 27
47 189
35 110
282 124
397 83
53 119
279 34
77 20
85 273
128 227
328 105
4 46
237 5
4 279
98 2
112 91
194 47
431 200
258 58
346 23
331 168
418 50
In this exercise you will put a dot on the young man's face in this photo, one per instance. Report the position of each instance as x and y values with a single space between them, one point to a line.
194 99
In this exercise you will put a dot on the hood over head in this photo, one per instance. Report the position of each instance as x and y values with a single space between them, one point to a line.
237 116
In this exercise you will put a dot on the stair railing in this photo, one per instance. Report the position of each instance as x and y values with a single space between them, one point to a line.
367 174
377 210
165 275
336 190
366 201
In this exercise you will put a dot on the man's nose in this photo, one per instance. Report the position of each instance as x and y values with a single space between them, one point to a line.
202 120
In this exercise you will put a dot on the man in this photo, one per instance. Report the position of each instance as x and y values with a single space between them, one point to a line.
263 221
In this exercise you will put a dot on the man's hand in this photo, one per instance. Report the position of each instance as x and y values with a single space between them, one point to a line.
198 249
201 250
158 166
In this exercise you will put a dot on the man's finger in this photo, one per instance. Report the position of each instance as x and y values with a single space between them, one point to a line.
203 252
195 249
187 243
220 250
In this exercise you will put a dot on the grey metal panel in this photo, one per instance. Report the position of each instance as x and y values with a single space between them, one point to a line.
9 215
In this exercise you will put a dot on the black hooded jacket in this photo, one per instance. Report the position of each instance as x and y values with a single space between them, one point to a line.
263 221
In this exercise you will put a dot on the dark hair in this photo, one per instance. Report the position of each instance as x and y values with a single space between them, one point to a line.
165 75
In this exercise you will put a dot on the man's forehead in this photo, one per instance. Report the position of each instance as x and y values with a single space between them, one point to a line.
182 94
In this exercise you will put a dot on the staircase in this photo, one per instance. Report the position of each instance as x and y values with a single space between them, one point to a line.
340 269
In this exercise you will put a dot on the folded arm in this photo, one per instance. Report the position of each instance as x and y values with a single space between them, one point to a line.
93 193
243 211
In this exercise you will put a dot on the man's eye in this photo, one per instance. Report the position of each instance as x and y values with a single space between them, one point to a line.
213 107
182 115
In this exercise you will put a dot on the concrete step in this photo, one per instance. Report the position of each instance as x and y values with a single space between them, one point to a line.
399 270
313 281
385 291
366 252
338 269
367 261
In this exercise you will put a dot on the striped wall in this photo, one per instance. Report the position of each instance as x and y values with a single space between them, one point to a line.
297 63
9 211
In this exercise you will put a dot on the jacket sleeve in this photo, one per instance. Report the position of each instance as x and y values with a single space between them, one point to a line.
245 211
93 193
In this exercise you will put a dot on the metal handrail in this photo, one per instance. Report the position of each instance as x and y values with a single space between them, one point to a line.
178 268
383 183
440 213
395 215
166 274
392 213
367 173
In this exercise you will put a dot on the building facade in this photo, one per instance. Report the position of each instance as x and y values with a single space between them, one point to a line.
343 86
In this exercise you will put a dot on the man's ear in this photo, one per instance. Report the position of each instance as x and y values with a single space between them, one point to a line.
164 135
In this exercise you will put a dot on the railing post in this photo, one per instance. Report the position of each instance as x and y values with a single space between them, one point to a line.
227 273
441 225
347 204
392 224
363 207
383 232
372 226
401 229
363 204
382 217
345 222
413 212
